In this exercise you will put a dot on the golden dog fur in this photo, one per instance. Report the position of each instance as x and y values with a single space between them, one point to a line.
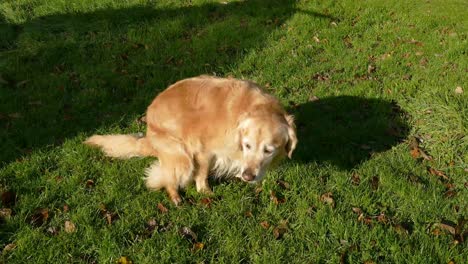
206 125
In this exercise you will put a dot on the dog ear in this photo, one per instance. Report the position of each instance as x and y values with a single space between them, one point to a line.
292 137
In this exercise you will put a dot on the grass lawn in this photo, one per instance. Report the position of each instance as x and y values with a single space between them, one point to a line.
380 174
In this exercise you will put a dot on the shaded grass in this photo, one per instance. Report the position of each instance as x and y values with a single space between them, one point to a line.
383 73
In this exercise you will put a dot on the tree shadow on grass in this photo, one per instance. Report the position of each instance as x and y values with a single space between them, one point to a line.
347 130
64 74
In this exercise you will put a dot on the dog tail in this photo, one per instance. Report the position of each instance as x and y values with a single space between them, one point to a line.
122 146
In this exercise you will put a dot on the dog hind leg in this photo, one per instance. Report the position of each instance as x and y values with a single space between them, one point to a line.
174 169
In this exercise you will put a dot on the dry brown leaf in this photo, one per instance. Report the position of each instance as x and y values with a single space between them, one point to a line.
328 199
198 246
357 210
355 179
40 217
382 218
69 227
447 226
437 173
400 229
109 216
415 153
313 98
371 68
9 247
206 201
451 262
162 208
8 198
5 213
124 260
459 90
66 208
283 184
248 214
89 183
188 234
278 232
276 200
52 230
375 183
265 224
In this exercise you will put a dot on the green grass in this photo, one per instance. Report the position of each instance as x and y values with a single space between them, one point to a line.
385 72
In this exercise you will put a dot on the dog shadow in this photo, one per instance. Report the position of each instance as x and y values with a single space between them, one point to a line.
345 131
95 70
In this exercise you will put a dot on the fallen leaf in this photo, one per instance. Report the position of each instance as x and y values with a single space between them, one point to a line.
124 260
328 199
371 68
375 183
280 230
365 219
400 229
265 224
109 216
188 234
415 153
89 183
248 214
9 247
206 201
69 227
283 184
198 246
382 218
66 208
369 262
451 262
40 217
423 62
450 193
52 230
355 179
357 210
8 198
316 39
5 213
276 200
446 226
151 225
458 90
162 208
437 173
313 98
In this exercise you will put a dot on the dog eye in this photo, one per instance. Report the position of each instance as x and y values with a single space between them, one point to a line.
247 145
267 151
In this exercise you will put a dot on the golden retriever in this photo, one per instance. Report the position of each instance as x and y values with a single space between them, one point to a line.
207 125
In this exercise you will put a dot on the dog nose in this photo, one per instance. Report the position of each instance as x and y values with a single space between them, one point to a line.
248 175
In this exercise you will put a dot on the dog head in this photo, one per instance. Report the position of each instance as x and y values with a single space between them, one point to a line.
264 139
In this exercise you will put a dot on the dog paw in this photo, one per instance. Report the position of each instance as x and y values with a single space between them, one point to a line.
205 190
176 200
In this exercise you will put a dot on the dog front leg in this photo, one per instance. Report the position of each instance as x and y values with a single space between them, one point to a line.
201 175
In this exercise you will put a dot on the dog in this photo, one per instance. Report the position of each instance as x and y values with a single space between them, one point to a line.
203 126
